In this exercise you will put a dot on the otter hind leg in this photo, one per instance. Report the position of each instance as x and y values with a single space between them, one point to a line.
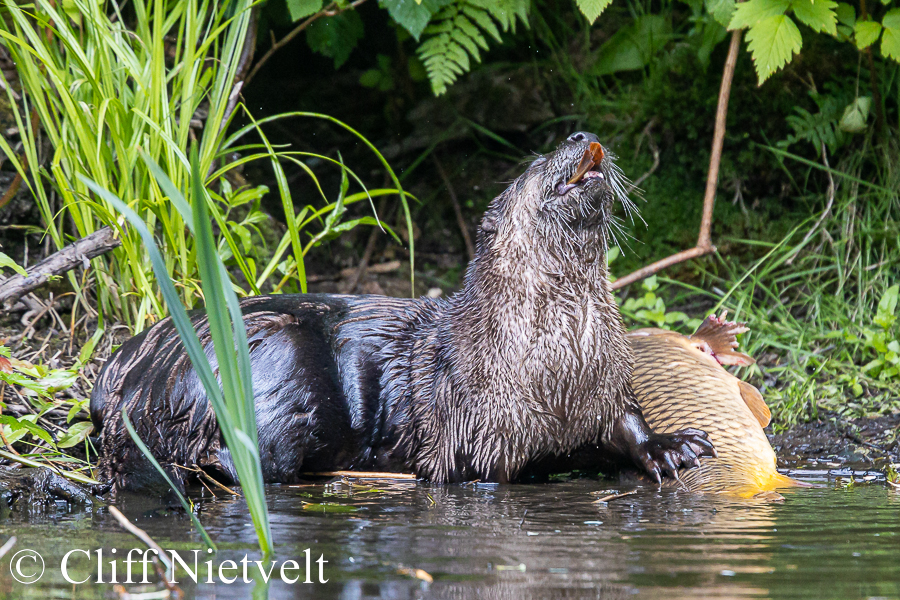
301 410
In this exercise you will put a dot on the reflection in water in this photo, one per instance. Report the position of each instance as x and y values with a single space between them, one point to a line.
520 542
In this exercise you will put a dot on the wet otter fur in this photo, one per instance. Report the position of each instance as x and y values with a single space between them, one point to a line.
528 362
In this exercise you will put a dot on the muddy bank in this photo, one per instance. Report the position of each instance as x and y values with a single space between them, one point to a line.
835 440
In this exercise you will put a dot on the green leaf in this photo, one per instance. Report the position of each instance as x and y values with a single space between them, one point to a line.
456 36
773 41
28 462
76 434
592 9
891 19
248 195
633 46
149 456
866 33
713 34
413 15
77 407
890 44
885 316
747 14
57 381
87 351
721 10
335 37
371 78
35 430
299 9
890 41
855 115
7 262
846 14
818 15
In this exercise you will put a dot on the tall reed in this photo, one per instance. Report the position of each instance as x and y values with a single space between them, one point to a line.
231 395
105 80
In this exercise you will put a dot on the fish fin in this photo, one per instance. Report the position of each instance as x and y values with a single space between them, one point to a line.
769 496
755 403
783 481
718 337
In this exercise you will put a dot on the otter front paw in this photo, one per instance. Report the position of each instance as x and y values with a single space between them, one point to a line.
666 453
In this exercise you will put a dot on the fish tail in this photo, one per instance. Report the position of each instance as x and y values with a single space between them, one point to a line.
781 481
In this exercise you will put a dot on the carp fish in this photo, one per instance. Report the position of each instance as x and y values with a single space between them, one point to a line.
681 383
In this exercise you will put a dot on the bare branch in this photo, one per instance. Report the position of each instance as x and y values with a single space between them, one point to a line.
101 241
704 240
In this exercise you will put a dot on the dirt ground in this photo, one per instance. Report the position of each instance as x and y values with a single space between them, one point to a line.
831 439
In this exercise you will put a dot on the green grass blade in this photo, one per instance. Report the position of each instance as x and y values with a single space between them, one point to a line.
184 503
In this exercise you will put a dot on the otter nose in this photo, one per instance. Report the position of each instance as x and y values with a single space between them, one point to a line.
583 136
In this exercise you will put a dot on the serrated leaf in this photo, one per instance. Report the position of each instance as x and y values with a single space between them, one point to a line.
473 37
846 14
891 19
335 37
482 19
457 35
773 41
413 15
866 33
890 43
591 9
890 40
299 9
818 15
747 14
721 10
505 11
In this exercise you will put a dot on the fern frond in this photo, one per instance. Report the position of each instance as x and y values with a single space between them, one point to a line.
458 33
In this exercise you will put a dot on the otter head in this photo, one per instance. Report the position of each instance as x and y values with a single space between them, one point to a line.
560 209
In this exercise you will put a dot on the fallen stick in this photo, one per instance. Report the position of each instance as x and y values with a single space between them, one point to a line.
12 542
100 242
161 554
611 497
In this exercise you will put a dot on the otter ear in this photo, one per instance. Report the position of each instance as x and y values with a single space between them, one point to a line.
489 223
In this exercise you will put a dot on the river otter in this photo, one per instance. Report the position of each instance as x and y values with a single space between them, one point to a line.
527 362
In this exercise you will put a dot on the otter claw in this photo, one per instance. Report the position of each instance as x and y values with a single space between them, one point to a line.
667 453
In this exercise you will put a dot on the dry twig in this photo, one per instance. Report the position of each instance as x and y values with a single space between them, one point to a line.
161 554
611 497
460 221
91 246
331 10
704 240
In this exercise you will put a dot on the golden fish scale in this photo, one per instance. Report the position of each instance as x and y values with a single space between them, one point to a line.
678 387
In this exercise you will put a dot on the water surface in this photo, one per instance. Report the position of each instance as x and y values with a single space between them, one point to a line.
543 541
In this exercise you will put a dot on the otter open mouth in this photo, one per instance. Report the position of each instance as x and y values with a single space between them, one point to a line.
592 157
